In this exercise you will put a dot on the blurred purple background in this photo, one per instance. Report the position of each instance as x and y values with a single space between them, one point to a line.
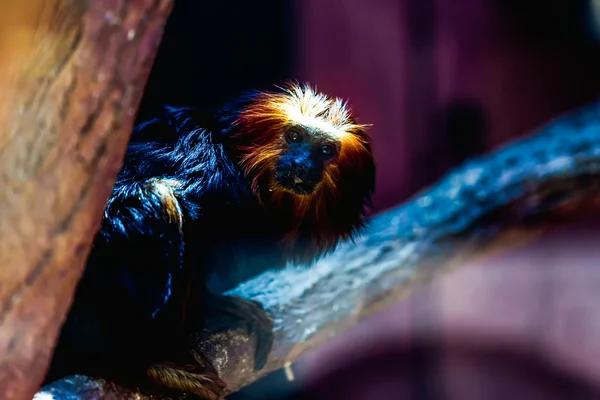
441 81
411 66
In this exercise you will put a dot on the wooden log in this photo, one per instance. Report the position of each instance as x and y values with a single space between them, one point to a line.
72 74
488 205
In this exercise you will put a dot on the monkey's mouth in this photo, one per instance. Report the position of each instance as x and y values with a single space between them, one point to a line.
295 184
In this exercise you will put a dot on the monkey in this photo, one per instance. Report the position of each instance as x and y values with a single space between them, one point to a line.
202 203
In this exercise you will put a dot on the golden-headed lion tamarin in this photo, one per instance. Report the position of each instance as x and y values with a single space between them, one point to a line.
202 204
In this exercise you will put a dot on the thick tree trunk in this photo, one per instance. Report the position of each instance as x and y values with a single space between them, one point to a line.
489 205
71 76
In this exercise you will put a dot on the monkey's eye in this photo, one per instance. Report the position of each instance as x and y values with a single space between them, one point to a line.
327 150
293 136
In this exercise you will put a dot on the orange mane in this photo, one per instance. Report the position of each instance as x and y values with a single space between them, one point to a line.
350 179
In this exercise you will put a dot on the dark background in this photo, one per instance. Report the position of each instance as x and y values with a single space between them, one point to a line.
440 80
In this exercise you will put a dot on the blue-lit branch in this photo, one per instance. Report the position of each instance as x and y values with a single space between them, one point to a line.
529 185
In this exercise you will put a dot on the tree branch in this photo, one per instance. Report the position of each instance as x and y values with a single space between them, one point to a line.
488 205
72 74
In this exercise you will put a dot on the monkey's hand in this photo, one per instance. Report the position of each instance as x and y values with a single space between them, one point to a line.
232 313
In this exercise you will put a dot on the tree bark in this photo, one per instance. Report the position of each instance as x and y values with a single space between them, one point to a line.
72 74
489 205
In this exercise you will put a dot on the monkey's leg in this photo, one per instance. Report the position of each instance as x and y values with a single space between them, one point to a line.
117 316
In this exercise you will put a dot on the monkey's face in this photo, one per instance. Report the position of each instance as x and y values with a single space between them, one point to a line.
307 152
306 144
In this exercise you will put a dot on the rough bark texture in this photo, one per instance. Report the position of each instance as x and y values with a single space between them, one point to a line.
490 204
72 74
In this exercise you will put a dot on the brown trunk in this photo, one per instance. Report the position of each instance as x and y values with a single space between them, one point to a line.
71 76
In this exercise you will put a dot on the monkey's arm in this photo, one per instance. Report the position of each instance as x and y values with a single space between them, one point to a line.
142 234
